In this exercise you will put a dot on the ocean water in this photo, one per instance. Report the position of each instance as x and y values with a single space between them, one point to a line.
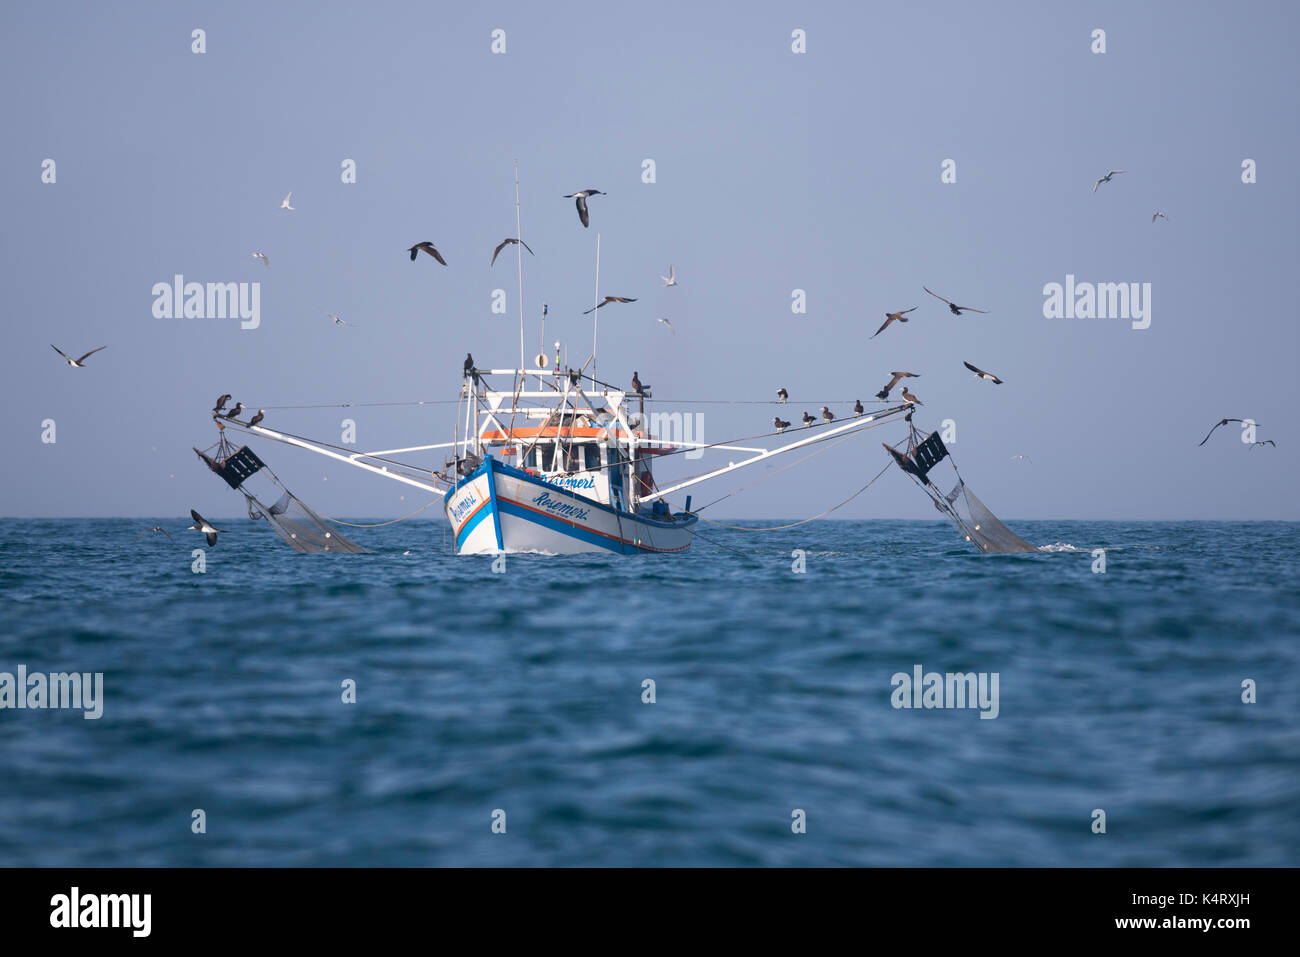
522 692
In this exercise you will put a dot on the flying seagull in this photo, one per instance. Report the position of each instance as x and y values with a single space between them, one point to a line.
338 320
891 317
284 203
607 300
1211 432
782 395
262 256
221 402
201 524
261 414
955 309
1106 178
580 198
668 324
154 528
981 374
911 399
884 393
1025 457
827 414
75 363
1265 442
506 242
808 419
857 407
780 424
428 248
671 278
1155 216
234 413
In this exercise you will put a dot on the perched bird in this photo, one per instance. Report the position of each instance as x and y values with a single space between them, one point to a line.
857 407
827 414
1025 457
506 242
1106 178
893 317
780 425
469 363
1155 216
637 387
668 324
1211 432
75 363
234 413
671 278
1265 442
262 256
808 419
607 300
911 399
221 402
580 198
261 414
284 203
889 387
781 396
428 248
955 309
981 374
201 524
154 528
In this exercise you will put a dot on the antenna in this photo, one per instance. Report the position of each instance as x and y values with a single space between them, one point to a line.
519 251
595 326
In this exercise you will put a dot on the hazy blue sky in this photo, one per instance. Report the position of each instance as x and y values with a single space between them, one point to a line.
775 171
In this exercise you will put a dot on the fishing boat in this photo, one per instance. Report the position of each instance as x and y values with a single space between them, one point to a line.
559 462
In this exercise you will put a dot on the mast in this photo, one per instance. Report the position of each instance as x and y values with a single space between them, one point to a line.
595 325
519 255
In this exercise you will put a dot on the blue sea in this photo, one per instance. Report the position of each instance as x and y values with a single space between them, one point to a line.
518 697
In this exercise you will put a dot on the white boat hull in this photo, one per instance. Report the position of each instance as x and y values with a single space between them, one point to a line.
502 509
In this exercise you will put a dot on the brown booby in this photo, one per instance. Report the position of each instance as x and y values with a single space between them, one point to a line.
606 301
261 414
911 399
1211 432
781 396
808 419
981 374
580 198
857 407
884 393
221 403
779 423
153 528
827 414
75 363
428 248
955 309
900 316
506 242
201 524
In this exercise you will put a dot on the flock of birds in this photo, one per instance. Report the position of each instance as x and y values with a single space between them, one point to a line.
783 395
580 198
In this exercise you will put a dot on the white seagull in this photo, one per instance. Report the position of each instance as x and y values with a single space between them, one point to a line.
1106 178
262 256
668 324
1025 457
284 203
671 278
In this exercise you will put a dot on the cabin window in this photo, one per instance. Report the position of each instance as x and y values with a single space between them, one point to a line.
592 457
